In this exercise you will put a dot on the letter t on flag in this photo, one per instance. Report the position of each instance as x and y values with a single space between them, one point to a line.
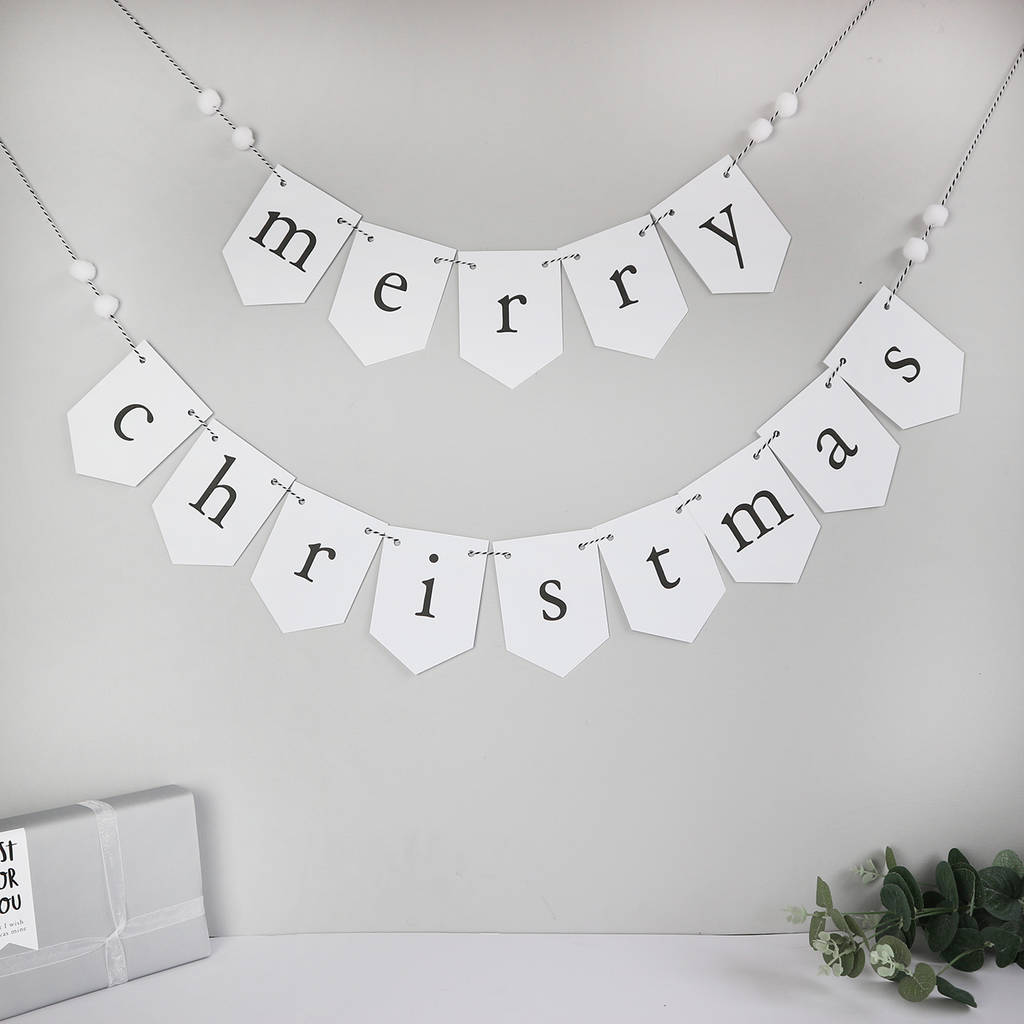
286 241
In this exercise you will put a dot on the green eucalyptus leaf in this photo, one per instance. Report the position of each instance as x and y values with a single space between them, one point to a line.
957 859
941 930
895 899
967 950
932 898
967 886
950 991
889 924
855 926
1001 889
859 959
899 948
1005 944
918 986
1009 859
847 954
890 858
946 882
913 890
969 922
823 898
817 923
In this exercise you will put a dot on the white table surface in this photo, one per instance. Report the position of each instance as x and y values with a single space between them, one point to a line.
519 979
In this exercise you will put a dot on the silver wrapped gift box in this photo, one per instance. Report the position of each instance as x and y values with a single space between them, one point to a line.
117 891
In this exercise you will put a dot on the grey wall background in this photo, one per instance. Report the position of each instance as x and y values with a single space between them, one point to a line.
660 787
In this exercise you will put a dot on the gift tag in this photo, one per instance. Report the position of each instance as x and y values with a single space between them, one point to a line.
287 239
510 312
725 230
315 560
662 569
218 498
754 517
428 596
626 287
133 419
832 443
17 907
552 598
900 363
389 293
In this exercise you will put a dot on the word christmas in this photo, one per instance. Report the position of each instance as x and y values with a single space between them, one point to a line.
510 303
660 559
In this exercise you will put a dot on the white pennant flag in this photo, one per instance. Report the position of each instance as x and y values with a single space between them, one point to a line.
725 230
832 443
389 293
133 419
662 569
754 517
552 598
900 363
287 239
427 603
626 287
315 560
510 312
218 498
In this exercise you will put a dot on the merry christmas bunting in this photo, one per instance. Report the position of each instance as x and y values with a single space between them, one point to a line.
510 303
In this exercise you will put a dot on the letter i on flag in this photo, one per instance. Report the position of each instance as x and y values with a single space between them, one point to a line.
218 498
286 240
428 596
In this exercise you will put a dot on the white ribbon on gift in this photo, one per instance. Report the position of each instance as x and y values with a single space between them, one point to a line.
124 927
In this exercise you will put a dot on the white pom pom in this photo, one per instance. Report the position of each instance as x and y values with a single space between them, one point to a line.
82 270
787 104
760 129
242 137
105 305
935 215
915 250
208 101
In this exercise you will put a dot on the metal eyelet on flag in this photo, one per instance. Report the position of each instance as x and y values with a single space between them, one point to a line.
694 497
504 554
596 540
654 221
767 444
558 259
831 376
196 416
386 536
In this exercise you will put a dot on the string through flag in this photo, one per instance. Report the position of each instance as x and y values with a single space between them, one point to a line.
207 100
915 250
82 270
787 103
